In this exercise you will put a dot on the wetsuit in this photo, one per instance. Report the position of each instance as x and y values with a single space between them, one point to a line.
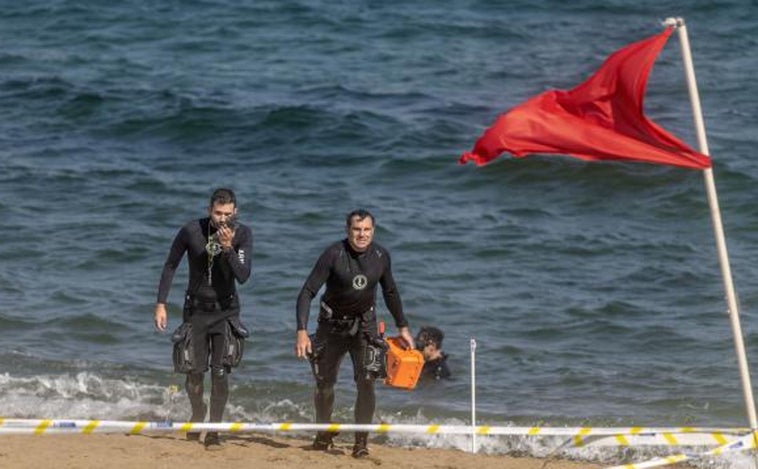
208 305
347 320
436 369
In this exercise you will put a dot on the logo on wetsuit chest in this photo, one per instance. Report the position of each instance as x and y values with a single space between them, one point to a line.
359 282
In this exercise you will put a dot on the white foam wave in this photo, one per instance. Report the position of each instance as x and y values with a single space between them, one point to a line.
83 395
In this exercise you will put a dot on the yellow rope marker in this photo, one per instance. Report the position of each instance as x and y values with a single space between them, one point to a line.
483 430
671 439
432 429
186 426
719 437
91 426
534 431
744 443
285 427
632 431
718 451
383 428
138 428
235 427
42 427
333 427
578 440
676 458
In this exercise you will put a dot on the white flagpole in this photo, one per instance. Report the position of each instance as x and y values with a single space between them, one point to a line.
473 395
718 228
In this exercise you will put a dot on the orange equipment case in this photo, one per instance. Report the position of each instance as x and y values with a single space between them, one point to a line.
403 366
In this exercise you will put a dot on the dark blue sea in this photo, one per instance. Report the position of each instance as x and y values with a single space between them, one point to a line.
593 290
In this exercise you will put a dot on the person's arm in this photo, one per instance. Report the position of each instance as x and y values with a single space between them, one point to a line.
312 285
237 248
394 304
175 254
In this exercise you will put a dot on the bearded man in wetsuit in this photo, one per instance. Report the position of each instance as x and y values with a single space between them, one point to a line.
352 269
218 253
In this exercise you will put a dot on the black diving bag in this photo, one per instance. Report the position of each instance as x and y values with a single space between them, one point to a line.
183 354
375 358
236 333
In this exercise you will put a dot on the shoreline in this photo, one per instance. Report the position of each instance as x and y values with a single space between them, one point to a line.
122 451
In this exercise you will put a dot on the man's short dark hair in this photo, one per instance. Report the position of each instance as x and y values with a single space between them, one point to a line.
430 335
223 196
361 214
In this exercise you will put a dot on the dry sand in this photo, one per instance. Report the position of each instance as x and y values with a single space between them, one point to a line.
260 451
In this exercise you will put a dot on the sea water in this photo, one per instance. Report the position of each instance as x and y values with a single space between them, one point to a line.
593 290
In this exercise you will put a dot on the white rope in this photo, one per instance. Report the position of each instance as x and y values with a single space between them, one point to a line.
581 436
745 443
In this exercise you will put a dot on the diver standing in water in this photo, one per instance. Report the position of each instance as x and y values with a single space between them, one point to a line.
218 253
352 269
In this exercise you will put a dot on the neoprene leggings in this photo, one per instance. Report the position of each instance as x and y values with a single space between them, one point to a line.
365 403
219 385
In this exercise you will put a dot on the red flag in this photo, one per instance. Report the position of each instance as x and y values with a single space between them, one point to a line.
601 119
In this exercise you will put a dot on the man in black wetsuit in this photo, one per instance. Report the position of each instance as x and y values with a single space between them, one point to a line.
429 342
352 269
218 252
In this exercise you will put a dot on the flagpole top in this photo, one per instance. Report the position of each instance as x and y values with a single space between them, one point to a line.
675 22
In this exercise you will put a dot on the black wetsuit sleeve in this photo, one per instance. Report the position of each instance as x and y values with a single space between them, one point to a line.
239 257
175 254
436 369
391 295
443 371
312 285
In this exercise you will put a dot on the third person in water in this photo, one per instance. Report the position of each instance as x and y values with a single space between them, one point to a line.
351 269
429 342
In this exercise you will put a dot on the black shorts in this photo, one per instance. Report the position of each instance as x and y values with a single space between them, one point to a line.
210 343
330 348
209 340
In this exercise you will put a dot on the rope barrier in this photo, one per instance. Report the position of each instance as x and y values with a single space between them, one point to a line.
579 437
747 442
726 440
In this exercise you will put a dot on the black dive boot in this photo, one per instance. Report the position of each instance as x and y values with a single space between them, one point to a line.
198 415
212 441
360 448
324 440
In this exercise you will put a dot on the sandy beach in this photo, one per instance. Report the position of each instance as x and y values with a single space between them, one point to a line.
261 451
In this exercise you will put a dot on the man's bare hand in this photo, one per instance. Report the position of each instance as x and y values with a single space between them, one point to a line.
303 344
405 334
160 317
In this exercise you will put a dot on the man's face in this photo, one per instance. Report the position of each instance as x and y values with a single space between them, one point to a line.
220 213
429 351
360 233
